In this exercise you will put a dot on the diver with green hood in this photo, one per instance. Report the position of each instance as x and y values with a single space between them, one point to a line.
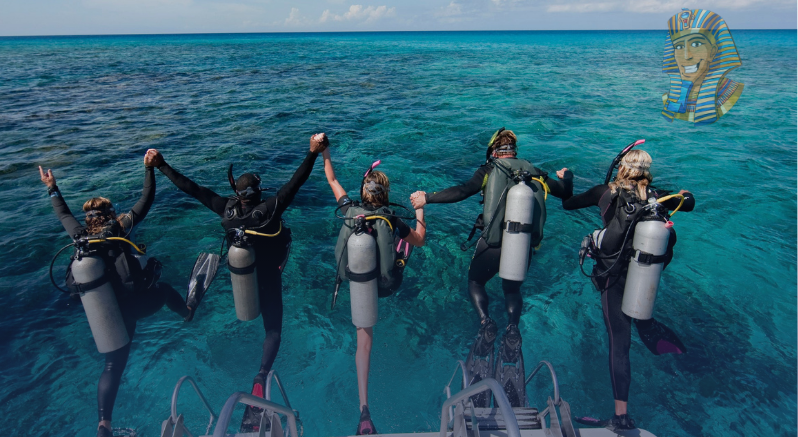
498 179
254 226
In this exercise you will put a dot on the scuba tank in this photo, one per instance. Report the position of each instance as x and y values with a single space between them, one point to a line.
241 263
645 267
517 232
362 272
99 300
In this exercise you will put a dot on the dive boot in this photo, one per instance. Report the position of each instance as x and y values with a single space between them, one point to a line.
366 426
616 422
201 277
510 370
480 360
252 415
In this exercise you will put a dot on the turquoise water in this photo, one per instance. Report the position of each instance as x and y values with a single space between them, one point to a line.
424 103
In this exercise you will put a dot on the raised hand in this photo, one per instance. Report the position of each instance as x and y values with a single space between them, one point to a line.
418 199
319 142
153 158
47 177
561 172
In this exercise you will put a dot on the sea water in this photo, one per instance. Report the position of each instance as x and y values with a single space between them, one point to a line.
425 104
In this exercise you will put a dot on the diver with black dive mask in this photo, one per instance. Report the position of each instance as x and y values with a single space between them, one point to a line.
256 232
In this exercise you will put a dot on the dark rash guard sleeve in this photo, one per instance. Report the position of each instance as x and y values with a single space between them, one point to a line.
463 191
687 206
207 197
402 228
561 188
587 199
68 221
288 191
142 207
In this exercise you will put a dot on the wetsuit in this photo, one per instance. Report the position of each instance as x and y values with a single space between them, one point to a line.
134 306
618 324
485 261
271 253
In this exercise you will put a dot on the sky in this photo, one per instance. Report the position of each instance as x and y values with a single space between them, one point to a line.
93 17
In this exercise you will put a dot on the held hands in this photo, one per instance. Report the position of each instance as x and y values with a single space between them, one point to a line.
680 191
153 158
47 177
561 172
418 200
319 143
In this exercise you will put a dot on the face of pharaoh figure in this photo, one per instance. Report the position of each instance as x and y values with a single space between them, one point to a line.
693 54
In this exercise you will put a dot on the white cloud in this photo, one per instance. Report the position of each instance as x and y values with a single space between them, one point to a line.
294 19
360 13
453 9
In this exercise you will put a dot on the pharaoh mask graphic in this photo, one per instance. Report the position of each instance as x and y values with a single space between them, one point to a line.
699 52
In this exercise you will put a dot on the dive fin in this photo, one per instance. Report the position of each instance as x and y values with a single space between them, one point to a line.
510 372
658 338
253 416
480 361
201 277
592 421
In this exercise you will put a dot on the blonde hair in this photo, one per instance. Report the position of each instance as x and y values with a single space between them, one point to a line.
96 223
379 198
634 173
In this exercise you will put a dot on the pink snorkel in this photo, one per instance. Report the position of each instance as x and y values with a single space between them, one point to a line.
373 166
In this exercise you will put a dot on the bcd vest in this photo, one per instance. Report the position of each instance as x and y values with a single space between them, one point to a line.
124 269
494 195
616 237
390 272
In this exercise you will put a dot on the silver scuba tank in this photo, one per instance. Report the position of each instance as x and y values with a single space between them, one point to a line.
244 276
519 210
642 278
99 302
362 259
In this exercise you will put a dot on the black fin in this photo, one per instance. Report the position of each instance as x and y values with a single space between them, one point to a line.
510 372
480 361
201 278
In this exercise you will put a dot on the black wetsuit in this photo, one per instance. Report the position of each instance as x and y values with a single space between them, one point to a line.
485 262
271 253
135 306
618 324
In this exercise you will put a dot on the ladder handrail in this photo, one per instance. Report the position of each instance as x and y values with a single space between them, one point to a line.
273 375
448 390
499 397
176 392
553 379
254 401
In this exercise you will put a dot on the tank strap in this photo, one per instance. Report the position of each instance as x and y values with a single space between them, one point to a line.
648 258
362 277
518 227
241 270
91 285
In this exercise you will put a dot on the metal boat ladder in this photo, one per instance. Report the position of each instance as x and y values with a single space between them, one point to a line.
462 419
271 420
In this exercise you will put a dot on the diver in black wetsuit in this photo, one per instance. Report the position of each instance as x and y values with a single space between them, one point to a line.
247 209
633 178
144 301
485 261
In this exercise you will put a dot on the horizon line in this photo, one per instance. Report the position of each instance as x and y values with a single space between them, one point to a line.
360 32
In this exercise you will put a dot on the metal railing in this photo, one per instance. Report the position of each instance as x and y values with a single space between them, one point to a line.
253 401
175 394
499 398
448 389
273 376
553 379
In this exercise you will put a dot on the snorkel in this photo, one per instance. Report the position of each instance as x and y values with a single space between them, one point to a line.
488 152
618 159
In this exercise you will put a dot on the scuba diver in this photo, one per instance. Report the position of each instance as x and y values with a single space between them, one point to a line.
259 244
115 289
635 217
504 246
372 251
